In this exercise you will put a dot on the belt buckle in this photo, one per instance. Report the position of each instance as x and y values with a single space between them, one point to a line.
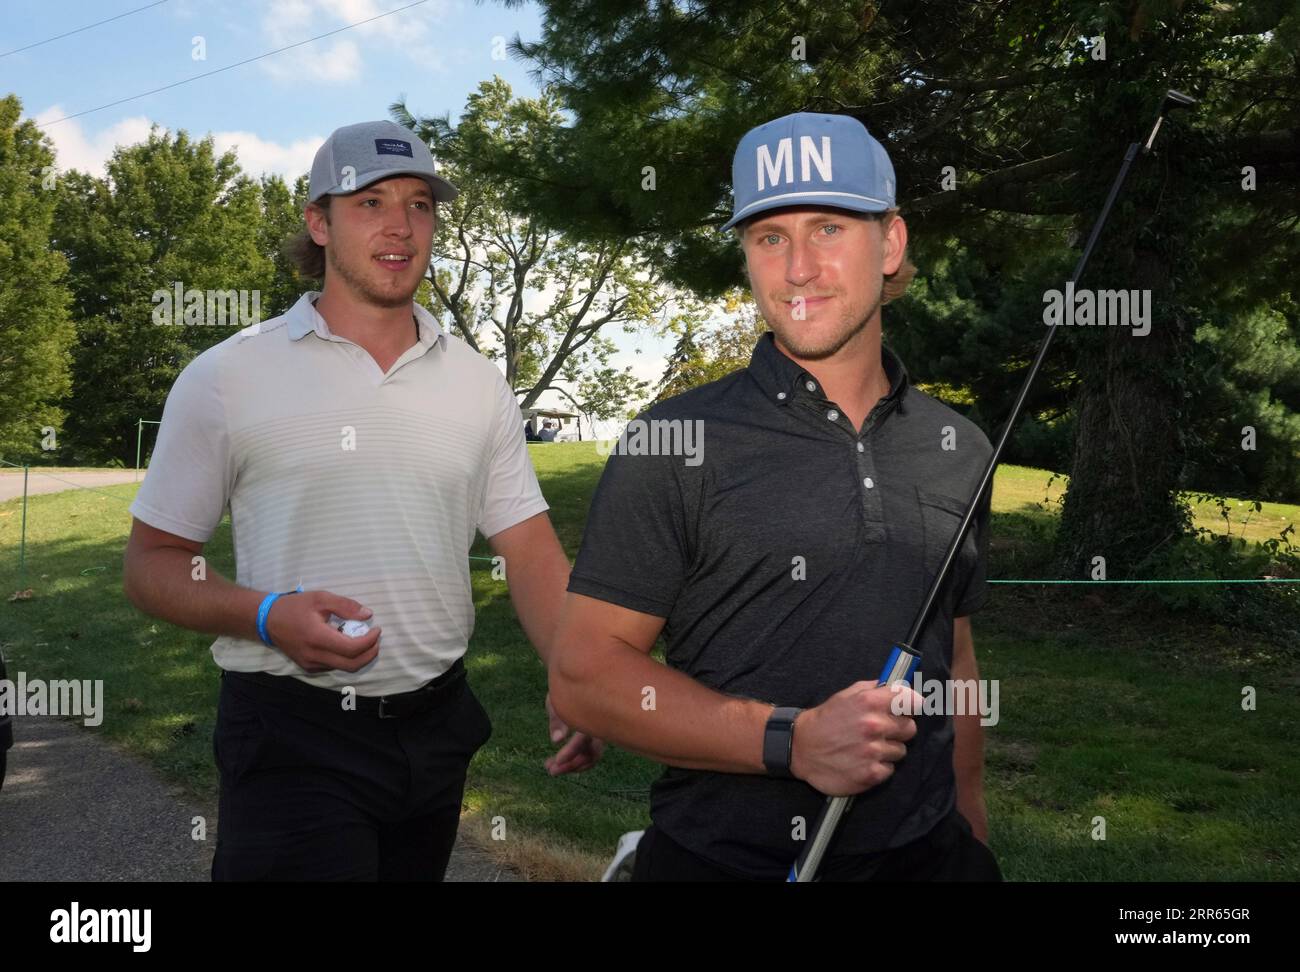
383 702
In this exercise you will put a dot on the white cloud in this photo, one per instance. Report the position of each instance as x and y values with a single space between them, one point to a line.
75 149
409 34
258 155
336 63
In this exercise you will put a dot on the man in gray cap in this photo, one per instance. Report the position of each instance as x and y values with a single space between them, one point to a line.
782 567
359 448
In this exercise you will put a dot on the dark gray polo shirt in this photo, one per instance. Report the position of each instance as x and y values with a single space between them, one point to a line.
787 557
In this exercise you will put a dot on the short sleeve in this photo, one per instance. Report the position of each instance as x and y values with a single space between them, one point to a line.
511 493
634 550
188 482
976 591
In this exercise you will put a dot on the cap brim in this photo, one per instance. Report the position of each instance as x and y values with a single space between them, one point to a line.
854 204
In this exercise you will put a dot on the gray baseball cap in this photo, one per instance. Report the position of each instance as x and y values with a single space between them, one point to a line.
357 155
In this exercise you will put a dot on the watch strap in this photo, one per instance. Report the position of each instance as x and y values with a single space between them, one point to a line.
778 741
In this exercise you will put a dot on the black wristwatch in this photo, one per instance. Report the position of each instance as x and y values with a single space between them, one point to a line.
778 741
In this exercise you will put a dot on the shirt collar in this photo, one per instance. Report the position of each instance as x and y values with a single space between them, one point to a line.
778 375
305 319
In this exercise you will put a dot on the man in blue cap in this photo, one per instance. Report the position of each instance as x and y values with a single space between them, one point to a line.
781 568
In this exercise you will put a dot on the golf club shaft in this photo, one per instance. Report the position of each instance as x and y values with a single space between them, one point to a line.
903 661
833 811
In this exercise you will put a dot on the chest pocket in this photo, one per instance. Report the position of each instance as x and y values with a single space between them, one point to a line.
941 516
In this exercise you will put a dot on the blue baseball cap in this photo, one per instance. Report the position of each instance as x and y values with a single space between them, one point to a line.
807 159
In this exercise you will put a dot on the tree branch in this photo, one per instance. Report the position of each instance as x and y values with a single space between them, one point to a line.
989 188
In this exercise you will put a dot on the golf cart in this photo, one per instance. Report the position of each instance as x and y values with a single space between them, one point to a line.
564 424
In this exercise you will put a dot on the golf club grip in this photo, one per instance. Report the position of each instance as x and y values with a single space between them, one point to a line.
899 667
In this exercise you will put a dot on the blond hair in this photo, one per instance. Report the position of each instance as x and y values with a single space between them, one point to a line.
896 283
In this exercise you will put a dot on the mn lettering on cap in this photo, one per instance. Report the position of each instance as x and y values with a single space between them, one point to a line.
357 155
808 159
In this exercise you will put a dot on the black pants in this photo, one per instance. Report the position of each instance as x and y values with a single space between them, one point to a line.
313 792
949 852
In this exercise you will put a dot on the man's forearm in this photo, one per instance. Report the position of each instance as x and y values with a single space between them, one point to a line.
537 591
160 582
968 748
625 697
968 767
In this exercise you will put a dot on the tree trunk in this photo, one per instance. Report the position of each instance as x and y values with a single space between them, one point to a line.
1123 502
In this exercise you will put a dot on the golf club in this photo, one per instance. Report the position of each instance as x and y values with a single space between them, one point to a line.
904 659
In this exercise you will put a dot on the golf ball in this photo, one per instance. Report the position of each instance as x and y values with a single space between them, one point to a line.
353 629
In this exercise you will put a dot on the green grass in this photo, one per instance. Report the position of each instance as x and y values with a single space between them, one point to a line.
1109 707
1021 489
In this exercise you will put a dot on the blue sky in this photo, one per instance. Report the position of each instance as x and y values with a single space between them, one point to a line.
276 111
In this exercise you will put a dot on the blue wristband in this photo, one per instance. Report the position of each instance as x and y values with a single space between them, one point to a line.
265 609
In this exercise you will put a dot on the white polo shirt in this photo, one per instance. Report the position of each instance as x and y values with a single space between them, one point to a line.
345 479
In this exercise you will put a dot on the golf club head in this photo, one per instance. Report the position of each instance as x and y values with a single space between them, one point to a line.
1172 101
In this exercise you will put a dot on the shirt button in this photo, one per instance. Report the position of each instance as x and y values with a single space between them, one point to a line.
832 415
867 482
811 386
861 447
780 396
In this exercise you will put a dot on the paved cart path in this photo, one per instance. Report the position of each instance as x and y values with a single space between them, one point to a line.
75 807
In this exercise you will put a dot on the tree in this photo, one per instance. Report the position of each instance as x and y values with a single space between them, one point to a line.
35 330
169 212
281 218
519 291
1005 123
703 353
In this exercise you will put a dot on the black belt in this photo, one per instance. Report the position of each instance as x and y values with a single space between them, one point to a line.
437 692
